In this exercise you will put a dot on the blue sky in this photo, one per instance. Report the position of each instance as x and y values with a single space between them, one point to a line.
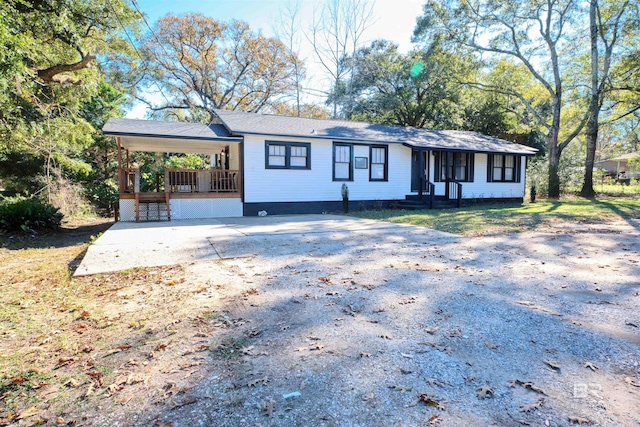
393 20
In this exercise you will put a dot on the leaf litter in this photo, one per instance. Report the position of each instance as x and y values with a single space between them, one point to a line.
228 320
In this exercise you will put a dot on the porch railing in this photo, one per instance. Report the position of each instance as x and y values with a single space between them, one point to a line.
455 191
128 180
201 181
427 188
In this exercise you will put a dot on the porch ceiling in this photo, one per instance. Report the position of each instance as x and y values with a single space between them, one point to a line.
171 145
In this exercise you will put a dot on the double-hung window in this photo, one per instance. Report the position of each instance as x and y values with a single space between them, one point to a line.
503 168
287 155
342 162
378 168
453 166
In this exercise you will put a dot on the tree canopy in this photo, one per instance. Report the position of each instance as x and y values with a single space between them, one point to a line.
198 63
49 74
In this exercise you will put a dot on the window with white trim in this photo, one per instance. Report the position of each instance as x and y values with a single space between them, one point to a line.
342 162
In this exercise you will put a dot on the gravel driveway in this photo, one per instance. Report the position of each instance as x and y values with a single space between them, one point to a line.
399 325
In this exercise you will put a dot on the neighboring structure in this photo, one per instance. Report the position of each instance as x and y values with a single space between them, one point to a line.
620 168
298 165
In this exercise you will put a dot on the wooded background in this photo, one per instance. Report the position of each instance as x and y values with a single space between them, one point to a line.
559 75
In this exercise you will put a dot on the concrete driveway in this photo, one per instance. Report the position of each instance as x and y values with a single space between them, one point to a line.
128 245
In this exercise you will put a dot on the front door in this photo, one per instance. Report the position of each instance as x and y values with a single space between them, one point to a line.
419 169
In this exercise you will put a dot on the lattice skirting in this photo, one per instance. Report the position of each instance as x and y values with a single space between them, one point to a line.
127 210
189 208
205 208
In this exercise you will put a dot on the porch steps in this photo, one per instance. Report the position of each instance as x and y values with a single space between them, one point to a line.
413 202
152 207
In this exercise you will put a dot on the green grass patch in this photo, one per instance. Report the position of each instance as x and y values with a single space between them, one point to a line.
501 218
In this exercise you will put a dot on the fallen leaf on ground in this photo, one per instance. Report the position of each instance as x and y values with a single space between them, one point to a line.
430 401
28 413
247 350
72 382
124 399
433 381
573 419
630 381
79 328
114 388
552 364
526 303
263 380
532 406
528 385
484 391
267 406
19 379
590 366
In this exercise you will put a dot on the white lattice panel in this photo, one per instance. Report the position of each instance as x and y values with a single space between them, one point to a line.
127 210
205 208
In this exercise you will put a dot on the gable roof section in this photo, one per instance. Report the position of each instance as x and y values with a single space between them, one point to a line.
172 130
238 123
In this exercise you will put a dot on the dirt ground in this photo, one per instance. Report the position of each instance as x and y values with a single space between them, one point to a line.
401 326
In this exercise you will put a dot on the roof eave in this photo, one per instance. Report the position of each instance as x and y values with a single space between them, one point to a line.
146 135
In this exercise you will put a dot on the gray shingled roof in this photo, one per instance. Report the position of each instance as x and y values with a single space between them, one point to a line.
156 129
240 123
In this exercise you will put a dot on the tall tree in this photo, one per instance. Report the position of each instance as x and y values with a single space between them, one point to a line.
532 33
609 22
287 29
417 89
336 34
47 71
202 64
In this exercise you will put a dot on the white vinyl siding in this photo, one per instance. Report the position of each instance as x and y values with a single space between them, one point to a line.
316 184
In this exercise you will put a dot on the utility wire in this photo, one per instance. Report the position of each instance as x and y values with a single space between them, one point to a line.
124 29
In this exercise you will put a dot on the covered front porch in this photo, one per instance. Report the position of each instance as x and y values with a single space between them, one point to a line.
163 193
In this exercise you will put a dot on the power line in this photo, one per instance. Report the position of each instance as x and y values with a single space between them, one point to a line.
135 5
124 29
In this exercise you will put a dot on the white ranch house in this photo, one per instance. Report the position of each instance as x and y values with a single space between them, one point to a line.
286 165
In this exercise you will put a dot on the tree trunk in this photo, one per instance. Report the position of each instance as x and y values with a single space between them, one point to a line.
594 107
554 163
592 136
